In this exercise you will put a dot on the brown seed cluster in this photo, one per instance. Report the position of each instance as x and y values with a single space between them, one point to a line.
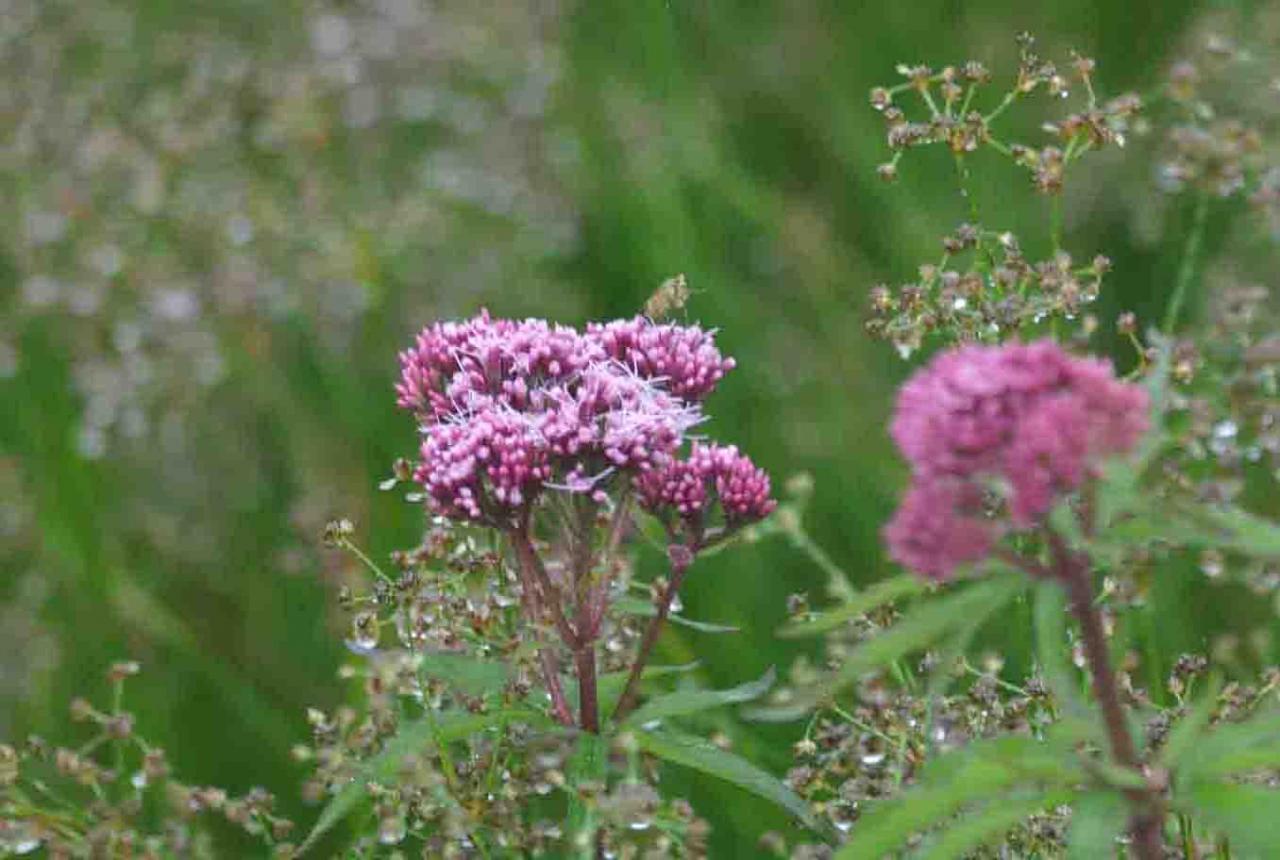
115 796
954 118
983 290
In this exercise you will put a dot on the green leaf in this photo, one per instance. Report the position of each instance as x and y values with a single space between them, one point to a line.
872 597
643 608
990 822
1244 532
611 684
1248 814
414 738
1222 526
1097 820
471 675
695 701
1051 645
1233 748
948 783
697 754
923 624
589 763
1191 728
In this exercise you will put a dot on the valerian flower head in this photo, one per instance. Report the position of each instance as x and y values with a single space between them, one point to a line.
1029 419
510 408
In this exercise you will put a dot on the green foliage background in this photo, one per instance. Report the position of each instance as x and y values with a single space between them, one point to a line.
732 142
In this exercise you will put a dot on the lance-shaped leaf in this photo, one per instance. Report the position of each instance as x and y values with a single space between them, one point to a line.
1232 749
922 625
611 684
872 597
990 822
643 608
1245 813
589 763
695 753
947 784
1051 646
683 702
1190 730
471 675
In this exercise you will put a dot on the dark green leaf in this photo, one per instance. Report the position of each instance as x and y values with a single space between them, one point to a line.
692 752
414 738
695 701
872 597
990 822
1248 814
1097 820
645 609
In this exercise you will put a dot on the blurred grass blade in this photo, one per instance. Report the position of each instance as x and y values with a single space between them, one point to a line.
700 755
410 740
989 823
873 597
643 608
1248 814
1097 820
694 701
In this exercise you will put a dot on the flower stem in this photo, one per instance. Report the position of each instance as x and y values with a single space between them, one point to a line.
681 557
588 698
1146 818
527 563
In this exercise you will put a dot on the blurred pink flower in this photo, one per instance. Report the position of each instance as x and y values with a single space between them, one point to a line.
1029 418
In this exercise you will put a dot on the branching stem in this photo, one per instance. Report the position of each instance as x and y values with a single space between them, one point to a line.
681 557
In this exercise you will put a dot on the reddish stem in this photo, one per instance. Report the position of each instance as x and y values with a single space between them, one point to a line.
559 703
527 563
681 557
535 571
1145 821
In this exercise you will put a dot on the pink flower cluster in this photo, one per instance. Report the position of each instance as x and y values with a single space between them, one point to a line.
1027 418
509 408
711 472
